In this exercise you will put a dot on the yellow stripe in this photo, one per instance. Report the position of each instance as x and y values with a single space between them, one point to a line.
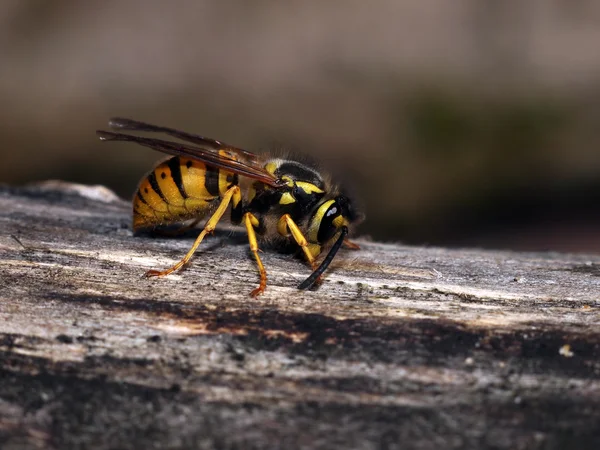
175 202
167 185
152 198
193 179
142 208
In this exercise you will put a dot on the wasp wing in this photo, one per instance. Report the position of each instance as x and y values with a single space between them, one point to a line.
208 144
209 156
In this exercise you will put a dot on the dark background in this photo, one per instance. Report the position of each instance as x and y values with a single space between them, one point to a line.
456 123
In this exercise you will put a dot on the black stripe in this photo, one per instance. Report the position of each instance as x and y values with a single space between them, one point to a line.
155 186
141 197
211 180
175 167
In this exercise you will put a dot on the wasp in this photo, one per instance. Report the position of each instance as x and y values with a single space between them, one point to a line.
276 200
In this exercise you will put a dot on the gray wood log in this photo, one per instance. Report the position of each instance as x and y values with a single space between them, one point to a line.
400 347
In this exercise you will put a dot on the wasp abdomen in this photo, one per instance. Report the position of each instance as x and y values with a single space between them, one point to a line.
178 189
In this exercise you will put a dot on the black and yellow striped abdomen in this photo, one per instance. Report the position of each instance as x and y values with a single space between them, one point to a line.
178 189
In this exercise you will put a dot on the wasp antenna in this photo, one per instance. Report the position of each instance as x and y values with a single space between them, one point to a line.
119 122
106 135
110 136
312 279
122 123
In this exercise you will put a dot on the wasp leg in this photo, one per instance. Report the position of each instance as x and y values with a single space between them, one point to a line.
351 245
287 223
232 192
250 221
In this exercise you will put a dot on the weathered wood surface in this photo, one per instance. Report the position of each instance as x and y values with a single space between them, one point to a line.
401 347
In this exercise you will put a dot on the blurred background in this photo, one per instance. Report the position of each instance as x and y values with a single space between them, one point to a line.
463 123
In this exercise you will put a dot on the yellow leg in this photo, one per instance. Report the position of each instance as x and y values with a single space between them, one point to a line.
234 192
287 222
251 221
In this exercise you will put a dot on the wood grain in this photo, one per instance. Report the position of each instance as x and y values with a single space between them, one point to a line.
400 347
